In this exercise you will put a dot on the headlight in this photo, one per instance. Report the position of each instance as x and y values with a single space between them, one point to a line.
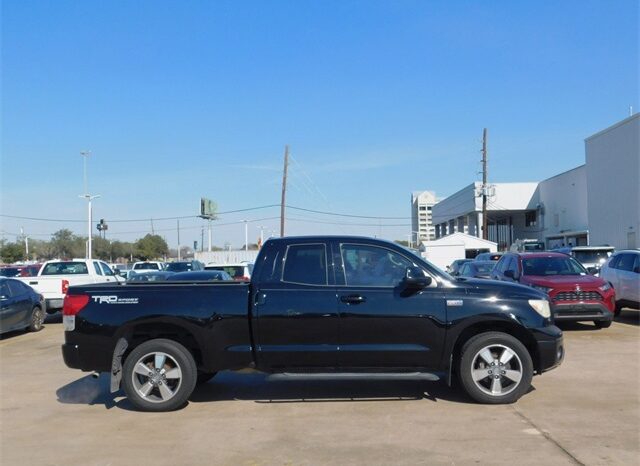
604 287
541 306
544 289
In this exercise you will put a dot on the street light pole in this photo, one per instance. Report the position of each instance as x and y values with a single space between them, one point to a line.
85 154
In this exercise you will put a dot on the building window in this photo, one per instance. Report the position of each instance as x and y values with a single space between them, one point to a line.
530 218
423 207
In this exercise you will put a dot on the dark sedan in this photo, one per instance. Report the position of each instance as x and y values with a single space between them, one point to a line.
21 307
477 269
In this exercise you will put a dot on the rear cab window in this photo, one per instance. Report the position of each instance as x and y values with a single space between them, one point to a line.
65 268
306 264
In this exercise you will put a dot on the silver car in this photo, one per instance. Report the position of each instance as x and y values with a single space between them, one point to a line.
622 270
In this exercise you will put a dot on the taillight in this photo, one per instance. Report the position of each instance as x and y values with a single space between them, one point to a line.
65 286
74 303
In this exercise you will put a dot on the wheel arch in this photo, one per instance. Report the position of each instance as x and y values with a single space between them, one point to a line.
140 332
510 328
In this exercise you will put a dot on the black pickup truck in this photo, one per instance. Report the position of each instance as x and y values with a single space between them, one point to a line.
315 305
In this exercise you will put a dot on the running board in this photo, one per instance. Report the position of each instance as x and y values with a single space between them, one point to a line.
354 376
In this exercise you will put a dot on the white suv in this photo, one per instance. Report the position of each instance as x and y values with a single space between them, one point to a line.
148 266
239 272
622 270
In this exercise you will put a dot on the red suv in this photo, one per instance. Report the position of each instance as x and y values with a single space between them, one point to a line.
573 293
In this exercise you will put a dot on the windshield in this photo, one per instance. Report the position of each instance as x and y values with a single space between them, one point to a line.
146 266
547 266
533 246
484 268
179 267
592 257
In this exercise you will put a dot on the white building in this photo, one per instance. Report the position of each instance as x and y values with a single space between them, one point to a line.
561 209
613 178
422 203
510 212
594 204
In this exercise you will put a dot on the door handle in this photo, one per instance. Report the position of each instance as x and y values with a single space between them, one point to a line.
353 299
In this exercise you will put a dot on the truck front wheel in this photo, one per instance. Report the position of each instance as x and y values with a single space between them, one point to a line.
495 368
159 375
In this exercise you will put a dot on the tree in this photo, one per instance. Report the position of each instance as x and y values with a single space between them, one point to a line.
151 247
67 245
12 252
402 242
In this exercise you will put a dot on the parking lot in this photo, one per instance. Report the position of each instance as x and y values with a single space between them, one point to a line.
585 412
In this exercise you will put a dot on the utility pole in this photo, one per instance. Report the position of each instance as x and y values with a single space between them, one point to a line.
261 235
153 232
246 235
485 188
178 239
284 189
26 242
209 248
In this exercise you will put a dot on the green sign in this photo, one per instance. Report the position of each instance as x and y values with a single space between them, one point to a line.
208 208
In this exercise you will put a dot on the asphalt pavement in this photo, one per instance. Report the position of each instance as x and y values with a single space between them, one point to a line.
585 412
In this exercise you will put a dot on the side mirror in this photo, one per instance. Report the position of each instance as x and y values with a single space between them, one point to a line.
636 269
511 274
415 279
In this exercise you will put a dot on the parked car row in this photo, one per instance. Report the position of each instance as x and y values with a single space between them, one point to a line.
569 277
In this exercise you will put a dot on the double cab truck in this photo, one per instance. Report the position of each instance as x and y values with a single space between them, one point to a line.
319 306
55 277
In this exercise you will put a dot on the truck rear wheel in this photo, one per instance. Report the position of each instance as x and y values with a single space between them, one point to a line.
495 368
159 375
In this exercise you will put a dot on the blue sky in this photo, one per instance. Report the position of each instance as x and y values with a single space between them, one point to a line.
178 100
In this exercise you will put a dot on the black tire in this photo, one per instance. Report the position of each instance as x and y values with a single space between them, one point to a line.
37 319
204 377
618 309
176 356
470 360
602 323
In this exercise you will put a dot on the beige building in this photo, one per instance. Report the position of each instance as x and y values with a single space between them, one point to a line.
422 203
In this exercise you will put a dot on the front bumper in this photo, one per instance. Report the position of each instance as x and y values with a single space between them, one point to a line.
550 346
575 312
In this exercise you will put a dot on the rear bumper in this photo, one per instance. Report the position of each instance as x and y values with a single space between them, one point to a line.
71 356
581 311
54 304
550 348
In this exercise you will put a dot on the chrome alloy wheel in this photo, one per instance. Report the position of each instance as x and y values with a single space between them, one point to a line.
156 377
496 370
37 319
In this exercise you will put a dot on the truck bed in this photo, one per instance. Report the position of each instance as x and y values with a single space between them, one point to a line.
213 315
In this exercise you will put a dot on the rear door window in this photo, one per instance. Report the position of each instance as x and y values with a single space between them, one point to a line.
17 288
97 267
305 264
4 290
626 262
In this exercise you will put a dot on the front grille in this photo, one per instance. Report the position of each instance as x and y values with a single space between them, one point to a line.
578 296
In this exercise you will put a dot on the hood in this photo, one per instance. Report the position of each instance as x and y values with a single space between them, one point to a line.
564 280
499 289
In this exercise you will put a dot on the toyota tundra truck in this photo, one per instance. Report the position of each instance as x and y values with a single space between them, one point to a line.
320 306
